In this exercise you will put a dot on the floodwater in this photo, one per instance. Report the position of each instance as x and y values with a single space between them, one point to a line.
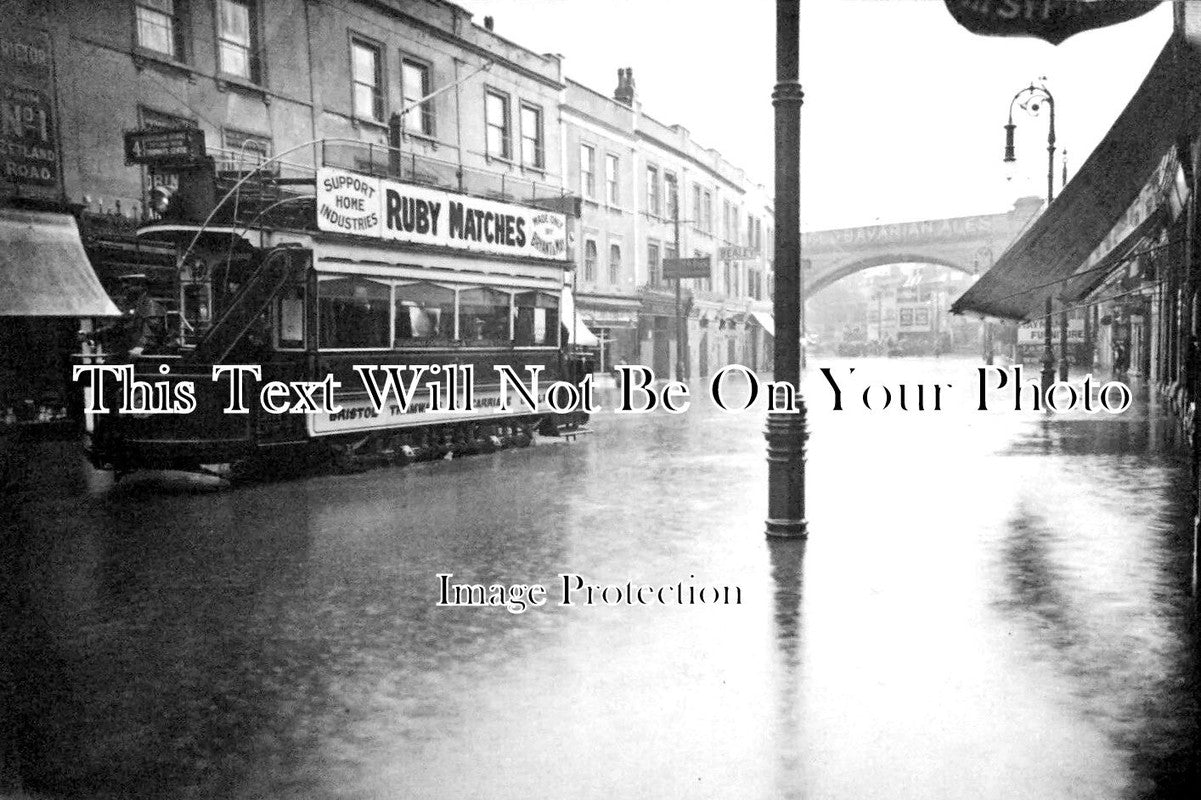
989 605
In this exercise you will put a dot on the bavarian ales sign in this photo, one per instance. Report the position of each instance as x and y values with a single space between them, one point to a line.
383 209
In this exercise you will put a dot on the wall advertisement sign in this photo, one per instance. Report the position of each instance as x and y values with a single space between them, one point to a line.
1033 333
29 155
379 208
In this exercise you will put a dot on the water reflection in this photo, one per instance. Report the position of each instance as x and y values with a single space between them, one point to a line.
959 624
787 559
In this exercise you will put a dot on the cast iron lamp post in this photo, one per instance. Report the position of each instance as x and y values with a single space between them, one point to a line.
1032 98
786 429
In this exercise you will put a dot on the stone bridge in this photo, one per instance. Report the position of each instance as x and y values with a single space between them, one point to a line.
968 244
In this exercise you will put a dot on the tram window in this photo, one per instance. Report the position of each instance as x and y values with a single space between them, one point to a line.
424 312
484 316
289 318
536 319
353 312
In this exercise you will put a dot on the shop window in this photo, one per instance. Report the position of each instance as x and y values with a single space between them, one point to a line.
424 313
353 312
484 316
536 319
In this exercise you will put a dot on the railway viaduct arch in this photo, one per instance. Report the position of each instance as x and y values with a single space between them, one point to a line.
967 244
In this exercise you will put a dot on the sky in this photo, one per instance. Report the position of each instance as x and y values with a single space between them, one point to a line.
904 110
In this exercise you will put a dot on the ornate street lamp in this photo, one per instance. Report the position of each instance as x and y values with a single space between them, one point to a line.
1031 100
786 430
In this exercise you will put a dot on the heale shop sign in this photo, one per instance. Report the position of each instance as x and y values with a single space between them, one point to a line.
390 210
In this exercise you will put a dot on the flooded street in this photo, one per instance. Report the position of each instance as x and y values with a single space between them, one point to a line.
989 605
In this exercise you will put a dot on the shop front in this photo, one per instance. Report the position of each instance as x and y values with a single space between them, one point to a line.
46 286
614 322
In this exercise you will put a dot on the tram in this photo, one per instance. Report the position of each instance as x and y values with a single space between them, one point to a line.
308 279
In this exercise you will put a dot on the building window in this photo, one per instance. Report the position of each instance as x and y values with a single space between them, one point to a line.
611 195
161 27
590 260
367 81
496 120
532 154
244 151
236 46
707 212
727 221
652 192
673 195
697 219
614 264
654 269
588 171
415 85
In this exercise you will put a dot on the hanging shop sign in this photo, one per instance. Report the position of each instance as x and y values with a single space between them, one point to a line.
29 155
698 267
1049 20
384 209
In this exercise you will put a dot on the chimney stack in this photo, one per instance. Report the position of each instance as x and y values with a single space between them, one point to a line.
488 23
624 93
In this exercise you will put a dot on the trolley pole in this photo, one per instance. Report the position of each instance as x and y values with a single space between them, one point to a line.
786 430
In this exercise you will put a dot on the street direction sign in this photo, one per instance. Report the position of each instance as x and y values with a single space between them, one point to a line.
698 267
737 253
160 146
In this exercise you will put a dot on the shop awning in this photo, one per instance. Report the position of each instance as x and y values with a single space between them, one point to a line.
44 271
766 321
1085 281
577 331
1058 243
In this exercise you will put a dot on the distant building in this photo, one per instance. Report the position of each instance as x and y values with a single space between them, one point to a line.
637 178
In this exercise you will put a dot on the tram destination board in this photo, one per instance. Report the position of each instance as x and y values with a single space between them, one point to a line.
682 268
164 146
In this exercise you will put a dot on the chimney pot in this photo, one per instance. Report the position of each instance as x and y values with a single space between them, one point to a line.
624 93
488 22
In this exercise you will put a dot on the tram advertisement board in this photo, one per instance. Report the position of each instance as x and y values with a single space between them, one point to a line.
360 415
384 209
